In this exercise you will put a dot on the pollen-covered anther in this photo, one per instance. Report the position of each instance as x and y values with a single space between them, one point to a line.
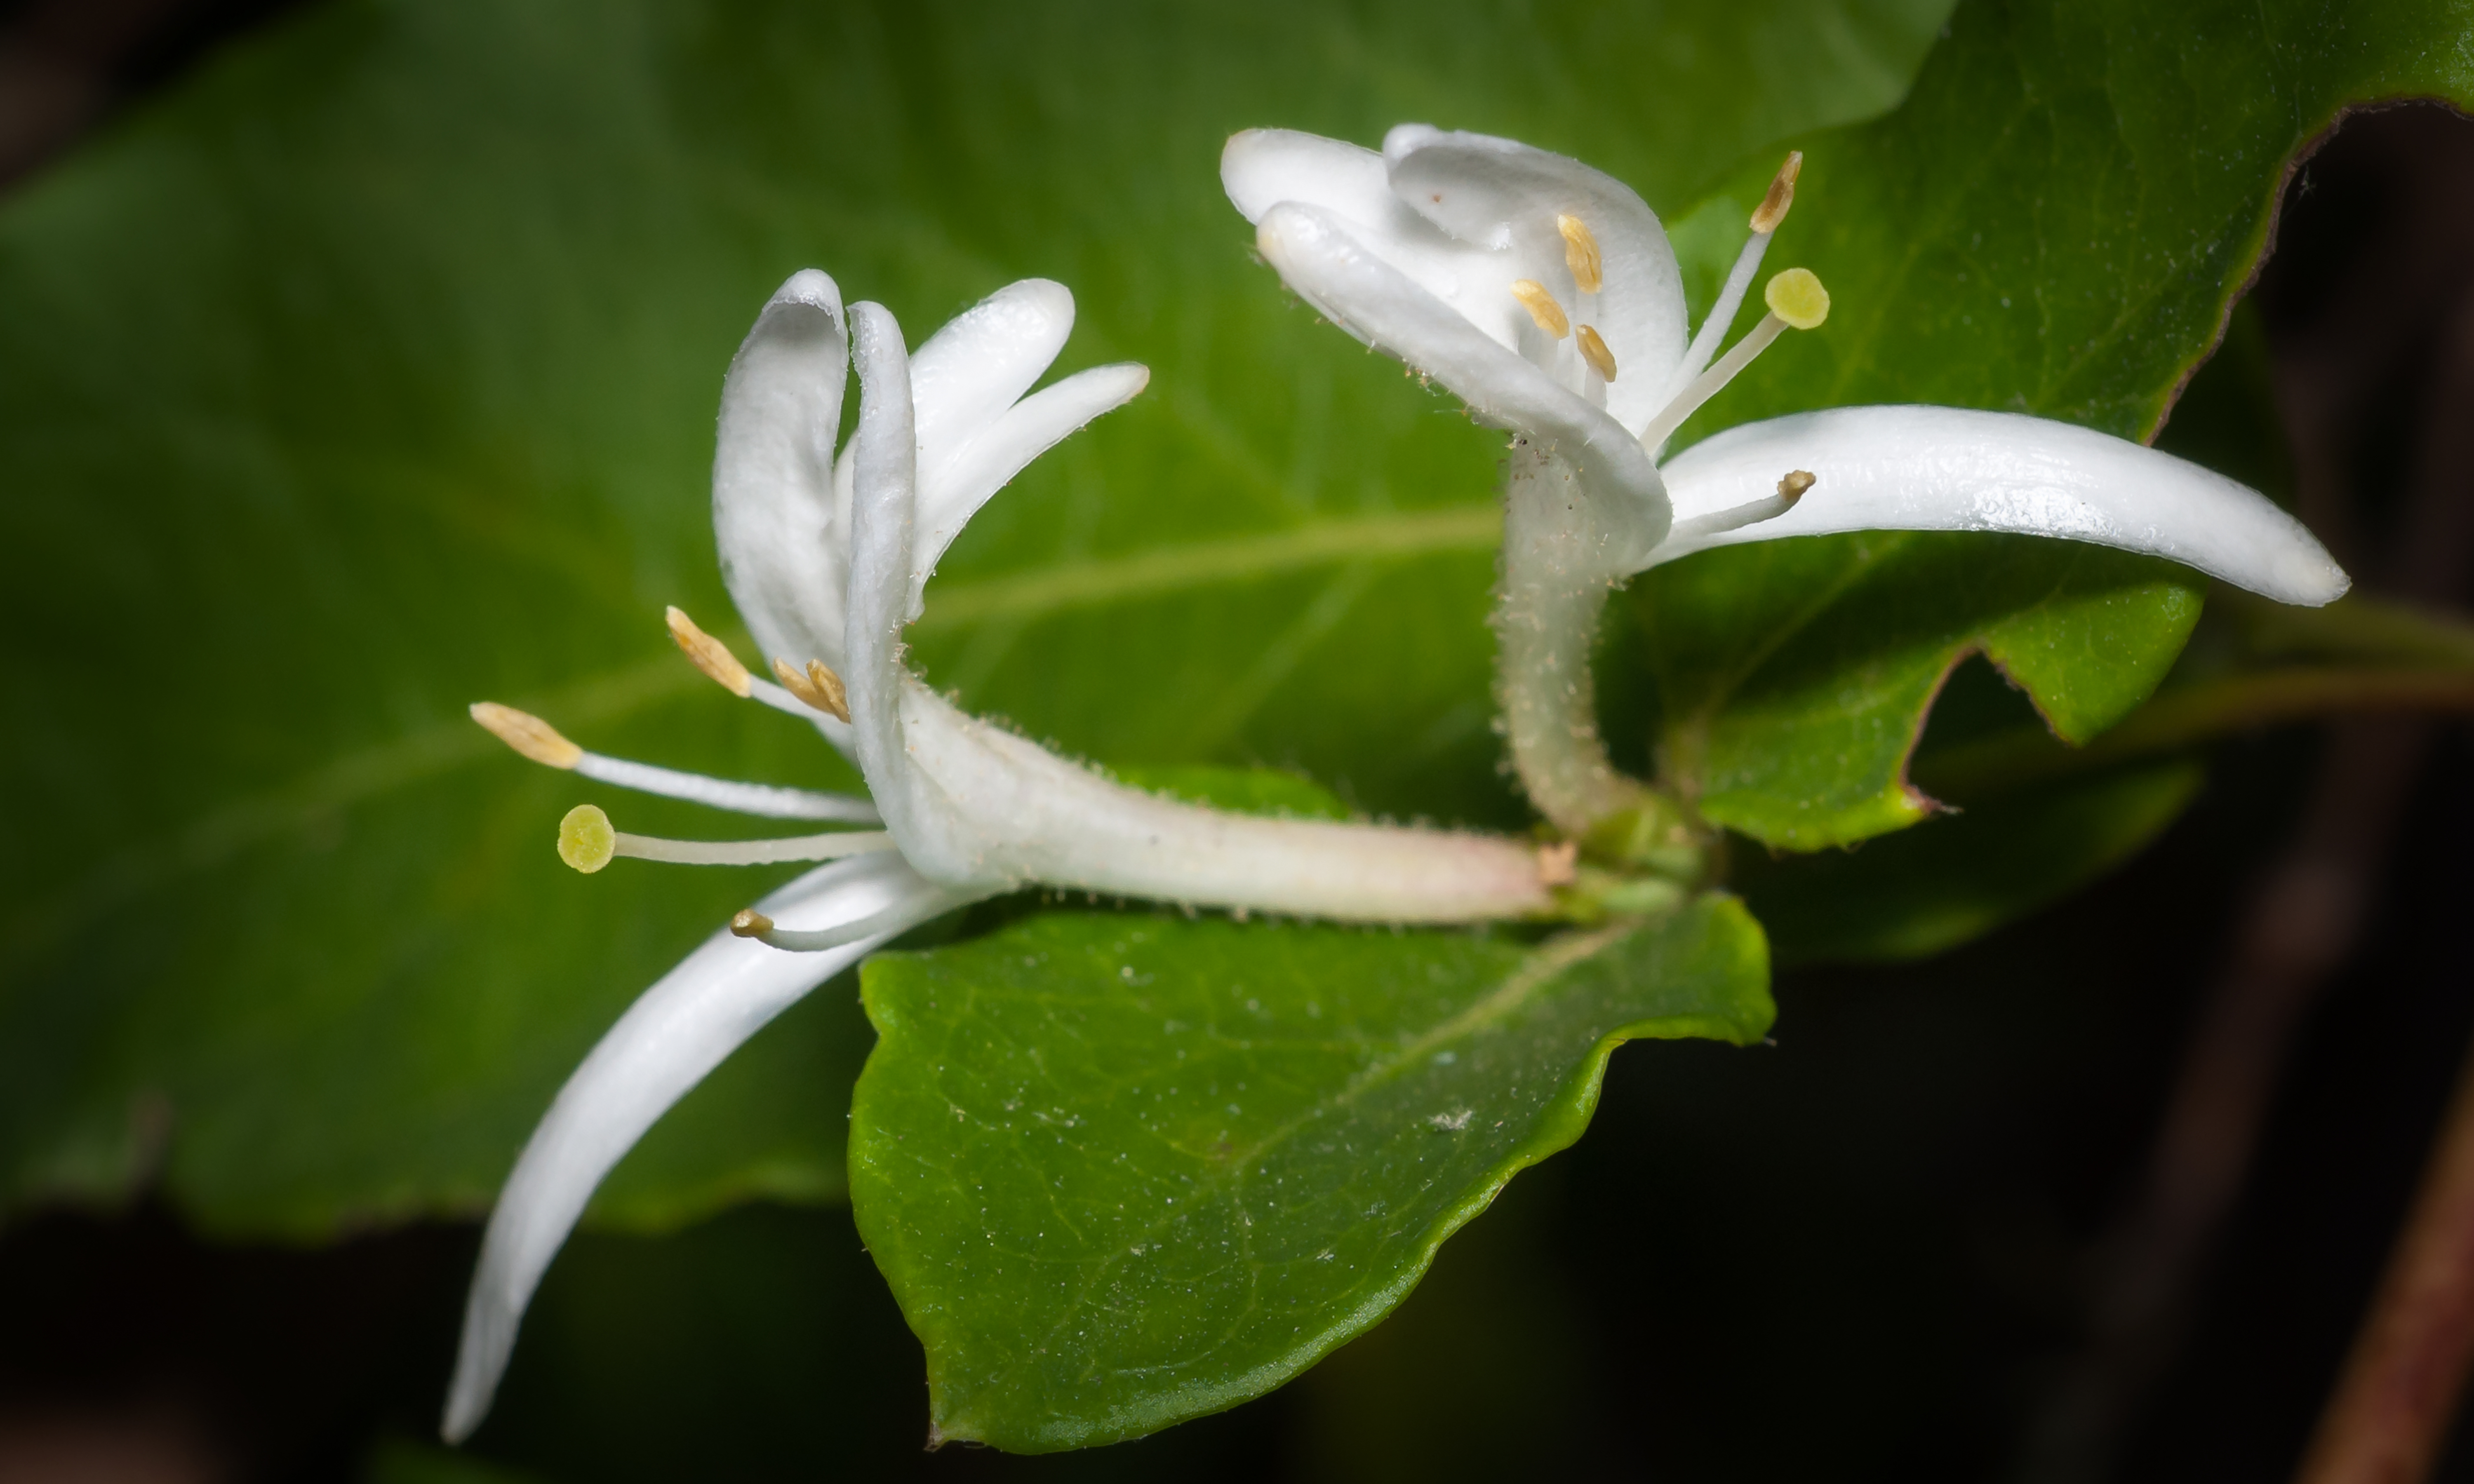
1542 306
1593 350
817 686
1798 297
1581 254
750 923
1559 864
709 655
527 733
1781 196
1791 488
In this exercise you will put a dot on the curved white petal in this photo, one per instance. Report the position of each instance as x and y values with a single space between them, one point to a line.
883 459
1945 468
1261 168
1331 268
953 491
773 519
981 363
1505 196
676 1033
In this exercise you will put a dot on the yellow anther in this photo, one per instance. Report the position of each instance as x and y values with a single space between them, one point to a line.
1791 488
1774 205
1558 865
527 733
709 655
1581 254
1594 350
817 686
1542 306
751 923
585 839
1798 297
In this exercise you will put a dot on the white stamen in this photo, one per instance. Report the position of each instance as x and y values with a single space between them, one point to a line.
1796 297
751 853
538 740
752 923
1736 517
766 801
586 843
1722 314
1766 219
1707 385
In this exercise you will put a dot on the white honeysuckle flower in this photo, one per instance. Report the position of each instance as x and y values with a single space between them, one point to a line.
1471 259
828 562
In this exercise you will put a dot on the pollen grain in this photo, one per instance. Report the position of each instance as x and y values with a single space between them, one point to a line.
527 733
1774 205
1581 254
1593 350
1542 306
817 686
709 655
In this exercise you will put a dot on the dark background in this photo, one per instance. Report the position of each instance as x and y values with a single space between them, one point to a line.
1901 1243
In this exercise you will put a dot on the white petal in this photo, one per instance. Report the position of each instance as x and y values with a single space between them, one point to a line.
676 1033
981 362
1945 468
1262 168
772 473
1505 195
953 491
1330 269
884 516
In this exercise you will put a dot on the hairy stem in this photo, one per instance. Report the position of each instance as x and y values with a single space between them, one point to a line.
1557 568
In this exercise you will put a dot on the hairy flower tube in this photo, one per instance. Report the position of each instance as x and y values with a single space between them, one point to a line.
828 560
1546 296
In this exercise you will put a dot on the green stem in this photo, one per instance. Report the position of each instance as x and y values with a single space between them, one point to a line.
2191 715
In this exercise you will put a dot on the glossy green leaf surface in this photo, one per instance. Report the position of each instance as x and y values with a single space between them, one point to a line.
1797 674
1125 1170
2057 220
372 373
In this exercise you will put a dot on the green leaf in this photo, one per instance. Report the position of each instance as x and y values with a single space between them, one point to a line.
2057 220
1127 1169
372 373
1797 674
